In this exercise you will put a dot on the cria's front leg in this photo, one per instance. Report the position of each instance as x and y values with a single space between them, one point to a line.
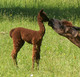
35 56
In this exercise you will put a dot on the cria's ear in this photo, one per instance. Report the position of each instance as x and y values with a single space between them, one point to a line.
74 32
41 10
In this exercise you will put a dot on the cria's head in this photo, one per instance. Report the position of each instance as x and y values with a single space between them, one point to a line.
42 16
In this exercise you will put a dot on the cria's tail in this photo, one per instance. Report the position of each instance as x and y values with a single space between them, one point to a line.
11 32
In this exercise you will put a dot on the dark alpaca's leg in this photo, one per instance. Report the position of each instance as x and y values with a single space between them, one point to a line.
17 44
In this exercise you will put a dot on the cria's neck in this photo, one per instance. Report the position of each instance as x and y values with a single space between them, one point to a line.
42 28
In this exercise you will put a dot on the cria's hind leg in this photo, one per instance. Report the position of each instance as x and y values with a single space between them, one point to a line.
17 44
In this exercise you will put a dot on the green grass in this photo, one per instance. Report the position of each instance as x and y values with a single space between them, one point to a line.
59 57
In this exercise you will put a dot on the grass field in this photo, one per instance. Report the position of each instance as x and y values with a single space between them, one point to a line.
59 57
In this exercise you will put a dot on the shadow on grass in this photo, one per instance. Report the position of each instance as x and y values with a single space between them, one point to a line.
56 12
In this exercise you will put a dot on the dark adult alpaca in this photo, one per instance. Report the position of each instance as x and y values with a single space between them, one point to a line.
20 35
66 29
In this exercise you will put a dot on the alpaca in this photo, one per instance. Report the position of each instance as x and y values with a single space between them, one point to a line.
20 35
66 29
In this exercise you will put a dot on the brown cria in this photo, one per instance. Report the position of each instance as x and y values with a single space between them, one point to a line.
66 29
20 35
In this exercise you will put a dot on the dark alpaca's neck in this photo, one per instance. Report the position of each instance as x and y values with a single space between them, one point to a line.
42 28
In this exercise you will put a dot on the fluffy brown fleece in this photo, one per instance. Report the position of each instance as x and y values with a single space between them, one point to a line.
20 35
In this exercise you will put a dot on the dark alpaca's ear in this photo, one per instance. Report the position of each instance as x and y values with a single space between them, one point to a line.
64 24
73 32
67 25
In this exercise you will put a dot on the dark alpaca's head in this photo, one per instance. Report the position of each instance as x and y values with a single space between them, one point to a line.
63 27
56 25
42 16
